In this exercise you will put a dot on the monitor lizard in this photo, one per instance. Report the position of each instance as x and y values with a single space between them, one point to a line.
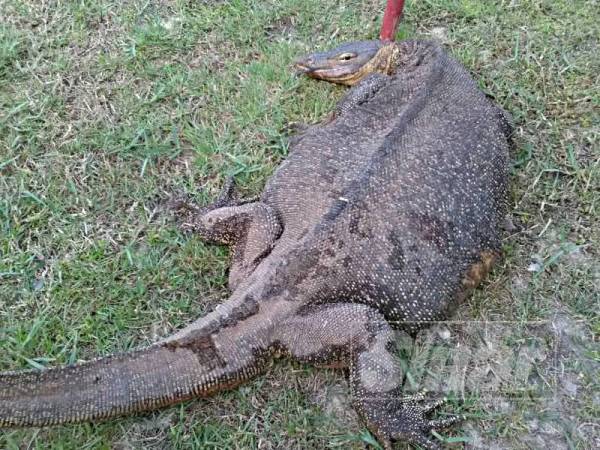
385 216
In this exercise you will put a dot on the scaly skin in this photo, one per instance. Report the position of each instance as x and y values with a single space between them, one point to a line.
388 215
350 63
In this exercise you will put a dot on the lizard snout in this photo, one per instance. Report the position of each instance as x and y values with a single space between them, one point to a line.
303 65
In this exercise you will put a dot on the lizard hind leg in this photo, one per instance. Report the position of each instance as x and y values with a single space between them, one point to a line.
358 337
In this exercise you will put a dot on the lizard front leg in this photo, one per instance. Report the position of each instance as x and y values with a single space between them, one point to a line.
250 228
358 337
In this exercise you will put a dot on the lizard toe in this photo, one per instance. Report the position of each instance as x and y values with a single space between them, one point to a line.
406 419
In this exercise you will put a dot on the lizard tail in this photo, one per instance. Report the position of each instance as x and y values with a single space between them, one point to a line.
162 374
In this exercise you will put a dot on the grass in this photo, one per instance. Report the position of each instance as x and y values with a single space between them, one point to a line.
107 108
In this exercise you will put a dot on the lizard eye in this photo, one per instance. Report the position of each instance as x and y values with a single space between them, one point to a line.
346 56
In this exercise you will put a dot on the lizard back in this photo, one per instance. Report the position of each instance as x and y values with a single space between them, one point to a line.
402 196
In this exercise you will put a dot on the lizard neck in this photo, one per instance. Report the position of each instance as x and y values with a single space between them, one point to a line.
395 56
409 55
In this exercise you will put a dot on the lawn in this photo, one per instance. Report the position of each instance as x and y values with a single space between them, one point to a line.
109 108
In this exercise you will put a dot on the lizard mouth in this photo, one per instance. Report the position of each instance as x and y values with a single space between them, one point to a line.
325 73
302 69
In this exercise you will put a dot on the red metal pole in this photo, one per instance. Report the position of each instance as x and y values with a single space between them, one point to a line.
391 17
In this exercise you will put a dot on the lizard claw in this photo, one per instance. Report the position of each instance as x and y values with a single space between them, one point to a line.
432 406
228 197
419 425
187 212
184 210
189 215
446 422
425 442
405 419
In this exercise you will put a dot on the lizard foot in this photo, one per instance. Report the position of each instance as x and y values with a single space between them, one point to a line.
184 211
228 197
405 419
189 214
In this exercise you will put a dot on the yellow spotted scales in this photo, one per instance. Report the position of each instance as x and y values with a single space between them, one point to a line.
384 216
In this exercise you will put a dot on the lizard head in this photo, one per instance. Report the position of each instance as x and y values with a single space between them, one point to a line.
347 64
